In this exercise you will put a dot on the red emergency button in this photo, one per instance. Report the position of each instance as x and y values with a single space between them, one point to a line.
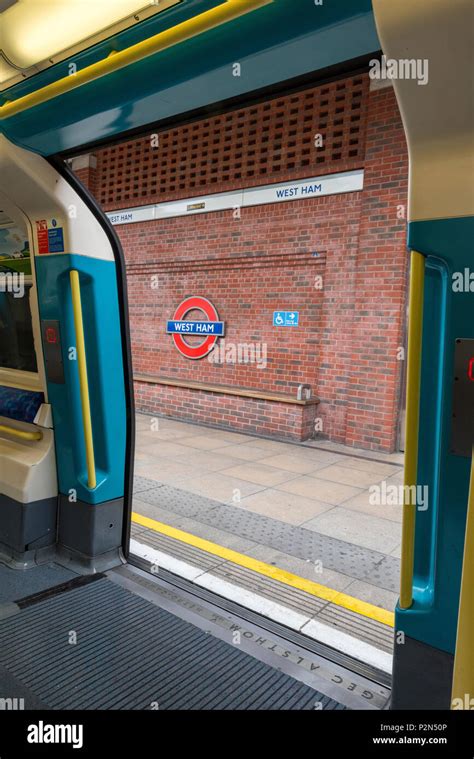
470 371
51 335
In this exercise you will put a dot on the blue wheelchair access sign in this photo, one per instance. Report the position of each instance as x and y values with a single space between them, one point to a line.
286 318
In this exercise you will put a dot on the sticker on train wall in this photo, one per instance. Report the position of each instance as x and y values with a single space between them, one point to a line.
42 234
50 237
210 328
56 240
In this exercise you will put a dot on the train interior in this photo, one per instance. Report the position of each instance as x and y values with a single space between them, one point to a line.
81 578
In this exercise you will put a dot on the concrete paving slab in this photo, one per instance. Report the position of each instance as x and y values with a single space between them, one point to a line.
321 490
144 421
167 470
168 449
287 507
348 476
204 442
207 463
259 473
245 451
396 479
150 436
372 594
357 528
275 447
234 438
362 503
313 454
143 457
397 458
397 552
294 463
375 467
222 488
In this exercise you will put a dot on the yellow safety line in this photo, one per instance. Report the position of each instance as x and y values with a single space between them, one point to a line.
22 434
83 379
415 334
227 11
463 677
321 591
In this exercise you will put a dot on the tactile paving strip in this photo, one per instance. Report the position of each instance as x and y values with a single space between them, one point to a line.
276 591
362 628
355 561
194 556
141 483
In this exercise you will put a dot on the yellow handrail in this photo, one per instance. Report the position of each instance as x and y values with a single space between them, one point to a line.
21 434
463 677
83 378
205 21
415 332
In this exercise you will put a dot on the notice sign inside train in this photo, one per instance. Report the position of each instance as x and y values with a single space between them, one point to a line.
49 236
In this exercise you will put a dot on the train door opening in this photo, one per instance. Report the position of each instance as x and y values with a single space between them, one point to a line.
265 244
267 305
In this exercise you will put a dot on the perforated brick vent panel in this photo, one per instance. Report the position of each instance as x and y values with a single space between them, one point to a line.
271 141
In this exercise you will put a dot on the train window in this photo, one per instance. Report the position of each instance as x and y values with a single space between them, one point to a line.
17 350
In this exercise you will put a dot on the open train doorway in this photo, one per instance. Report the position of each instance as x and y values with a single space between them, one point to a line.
266 254
265 245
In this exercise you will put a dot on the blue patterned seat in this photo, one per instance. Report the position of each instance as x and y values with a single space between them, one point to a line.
21 405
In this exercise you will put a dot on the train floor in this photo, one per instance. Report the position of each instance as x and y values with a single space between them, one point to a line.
127 639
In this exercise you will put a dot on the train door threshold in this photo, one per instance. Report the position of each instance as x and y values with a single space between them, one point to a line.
126 639
357 629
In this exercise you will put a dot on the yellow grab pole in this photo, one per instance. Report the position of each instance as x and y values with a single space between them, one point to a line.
21 434
203 22
83 379
415 333
463 677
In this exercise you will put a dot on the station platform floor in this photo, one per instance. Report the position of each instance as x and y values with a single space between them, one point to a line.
288 529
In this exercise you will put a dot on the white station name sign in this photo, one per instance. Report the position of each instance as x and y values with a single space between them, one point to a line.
301 189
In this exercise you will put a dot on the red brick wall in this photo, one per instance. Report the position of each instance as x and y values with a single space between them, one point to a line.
346 346
88 177
247 268
271 141
250 415
380 286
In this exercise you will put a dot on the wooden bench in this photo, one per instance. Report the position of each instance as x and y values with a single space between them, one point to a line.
241 392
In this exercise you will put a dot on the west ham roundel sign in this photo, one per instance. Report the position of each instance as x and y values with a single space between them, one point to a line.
210 328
